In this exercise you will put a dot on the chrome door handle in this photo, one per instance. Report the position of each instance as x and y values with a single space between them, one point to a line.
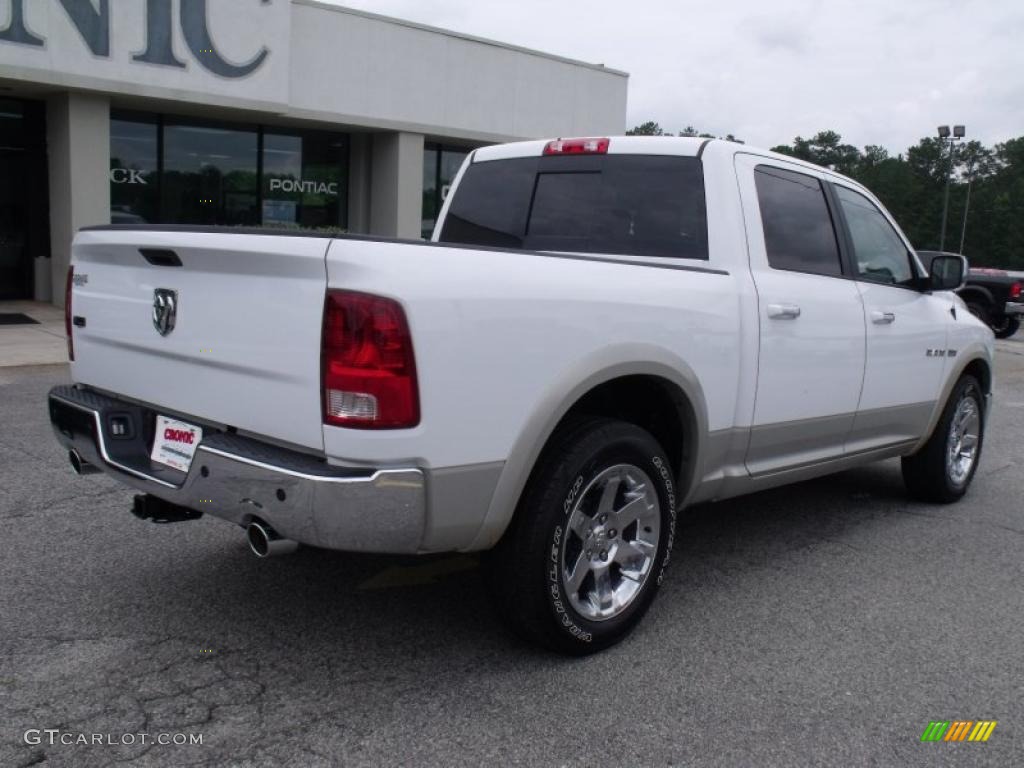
883 318
783 311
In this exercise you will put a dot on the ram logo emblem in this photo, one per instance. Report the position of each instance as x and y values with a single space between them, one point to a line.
165 310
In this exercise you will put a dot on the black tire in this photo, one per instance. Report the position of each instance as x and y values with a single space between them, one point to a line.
525 572
927 474
980 311
1009 326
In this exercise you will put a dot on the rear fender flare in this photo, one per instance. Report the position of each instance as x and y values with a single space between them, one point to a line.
603 366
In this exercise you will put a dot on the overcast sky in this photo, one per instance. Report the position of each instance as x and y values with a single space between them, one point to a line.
877 71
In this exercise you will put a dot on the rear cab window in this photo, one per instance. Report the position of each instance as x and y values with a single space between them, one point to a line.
625 204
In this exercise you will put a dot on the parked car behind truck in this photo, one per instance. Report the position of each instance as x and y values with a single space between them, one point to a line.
601 333
994 297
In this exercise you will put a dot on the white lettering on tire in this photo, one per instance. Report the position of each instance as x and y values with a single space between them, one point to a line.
666 476
556 592
556 545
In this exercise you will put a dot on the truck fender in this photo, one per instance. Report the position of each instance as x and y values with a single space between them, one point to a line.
974 352
574 382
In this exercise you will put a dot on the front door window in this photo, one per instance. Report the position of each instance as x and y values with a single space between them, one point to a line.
880 253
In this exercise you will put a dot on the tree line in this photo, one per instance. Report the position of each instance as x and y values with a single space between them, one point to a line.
987 182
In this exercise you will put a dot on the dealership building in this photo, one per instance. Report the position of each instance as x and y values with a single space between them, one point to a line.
276 113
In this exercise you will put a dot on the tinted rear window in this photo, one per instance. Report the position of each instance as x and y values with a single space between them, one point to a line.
798 231
636 205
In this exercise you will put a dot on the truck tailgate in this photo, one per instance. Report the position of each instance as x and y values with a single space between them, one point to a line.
245 347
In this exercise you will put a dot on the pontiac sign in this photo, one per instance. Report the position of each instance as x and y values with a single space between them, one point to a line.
93 24
300 185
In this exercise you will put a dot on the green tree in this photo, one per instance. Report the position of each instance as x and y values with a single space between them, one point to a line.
826 149
873 156
986 182
650 128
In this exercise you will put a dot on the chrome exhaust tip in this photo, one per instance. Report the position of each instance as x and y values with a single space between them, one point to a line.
80 465
264 541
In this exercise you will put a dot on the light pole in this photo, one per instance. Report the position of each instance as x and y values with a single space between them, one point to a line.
967 205
944 134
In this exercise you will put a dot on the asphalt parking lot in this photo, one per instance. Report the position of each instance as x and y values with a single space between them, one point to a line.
822 624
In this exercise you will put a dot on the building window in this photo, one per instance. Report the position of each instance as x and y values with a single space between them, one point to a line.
303 180
24 197
440 167
209 176
134 172
172 171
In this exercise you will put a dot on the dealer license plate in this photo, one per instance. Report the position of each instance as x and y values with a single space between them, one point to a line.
175 443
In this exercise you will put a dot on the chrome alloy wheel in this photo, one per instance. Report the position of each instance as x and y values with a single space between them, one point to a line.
962 443
612 539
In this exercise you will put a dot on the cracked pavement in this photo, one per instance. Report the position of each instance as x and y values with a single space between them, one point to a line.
821 624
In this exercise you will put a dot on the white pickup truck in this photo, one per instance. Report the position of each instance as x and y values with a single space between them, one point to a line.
600 333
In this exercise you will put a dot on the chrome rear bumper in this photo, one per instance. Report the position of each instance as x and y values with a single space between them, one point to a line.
1013 308
241 479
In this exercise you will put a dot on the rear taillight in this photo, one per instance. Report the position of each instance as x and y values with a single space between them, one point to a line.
1015 291
577 147
369 370
67 313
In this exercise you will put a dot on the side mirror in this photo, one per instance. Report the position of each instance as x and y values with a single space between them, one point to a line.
947 272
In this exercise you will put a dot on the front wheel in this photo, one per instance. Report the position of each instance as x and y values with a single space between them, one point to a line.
591 537
943 469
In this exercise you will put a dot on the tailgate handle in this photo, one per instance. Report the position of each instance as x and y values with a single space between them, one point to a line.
160 257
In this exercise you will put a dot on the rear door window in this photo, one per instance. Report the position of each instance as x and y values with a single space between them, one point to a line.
637 205
798 232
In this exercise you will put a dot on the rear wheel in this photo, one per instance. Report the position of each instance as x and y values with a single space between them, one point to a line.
587 549
943 469
1006 327
980 311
